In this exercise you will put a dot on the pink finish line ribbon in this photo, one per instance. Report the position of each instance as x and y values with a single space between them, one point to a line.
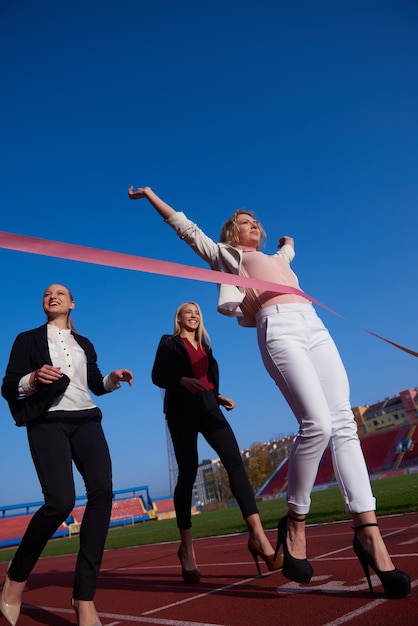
73 252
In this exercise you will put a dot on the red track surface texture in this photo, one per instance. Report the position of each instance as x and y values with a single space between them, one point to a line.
143 585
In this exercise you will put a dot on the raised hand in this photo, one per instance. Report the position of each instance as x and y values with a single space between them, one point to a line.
283 241
137 194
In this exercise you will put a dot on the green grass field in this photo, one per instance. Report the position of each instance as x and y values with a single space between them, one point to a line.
394 495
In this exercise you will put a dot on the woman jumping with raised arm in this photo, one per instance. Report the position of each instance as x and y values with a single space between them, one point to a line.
301 357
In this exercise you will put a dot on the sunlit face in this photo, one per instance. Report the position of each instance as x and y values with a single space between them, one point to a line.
249 231
189 317
57 301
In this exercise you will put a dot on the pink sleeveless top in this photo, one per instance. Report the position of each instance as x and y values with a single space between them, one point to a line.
275 269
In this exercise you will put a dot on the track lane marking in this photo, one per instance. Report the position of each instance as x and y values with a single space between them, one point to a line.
141 619
204 595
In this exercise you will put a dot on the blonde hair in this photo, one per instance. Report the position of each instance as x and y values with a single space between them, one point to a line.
230 232
201 334
69 320
70 324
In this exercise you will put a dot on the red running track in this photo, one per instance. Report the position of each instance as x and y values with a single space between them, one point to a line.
143 585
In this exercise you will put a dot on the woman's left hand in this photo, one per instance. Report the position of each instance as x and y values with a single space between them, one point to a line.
227 403
286 241
122 376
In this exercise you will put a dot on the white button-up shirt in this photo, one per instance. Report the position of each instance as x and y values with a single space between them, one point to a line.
70 357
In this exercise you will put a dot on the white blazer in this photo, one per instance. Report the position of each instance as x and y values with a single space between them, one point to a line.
221 257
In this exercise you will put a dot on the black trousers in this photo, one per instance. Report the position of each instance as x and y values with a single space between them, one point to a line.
55 443
216 430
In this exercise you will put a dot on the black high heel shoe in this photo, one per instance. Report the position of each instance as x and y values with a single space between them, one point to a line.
273 561
190 576
396 584
299 570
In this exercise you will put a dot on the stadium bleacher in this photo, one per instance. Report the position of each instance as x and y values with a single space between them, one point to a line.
386 451
164 508
380 449
125 510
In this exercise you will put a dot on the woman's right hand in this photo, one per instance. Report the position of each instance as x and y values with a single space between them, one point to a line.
45 374
164 209
139 193
193 385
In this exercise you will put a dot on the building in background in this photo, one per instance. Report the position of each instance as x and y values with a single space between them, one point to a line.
207 490
389 413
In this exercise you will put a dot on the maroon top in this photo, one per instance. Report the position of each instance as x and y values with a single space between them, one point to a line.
200 362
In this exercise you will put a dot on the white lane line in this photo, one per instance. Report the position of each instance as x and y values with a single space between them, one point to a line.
332 588
140 619
349 616
175 566
199 596
407 543
155 620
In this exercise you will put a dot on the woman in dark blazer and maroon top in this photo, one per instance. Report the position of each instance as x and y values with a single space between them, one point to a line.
185 367
50 372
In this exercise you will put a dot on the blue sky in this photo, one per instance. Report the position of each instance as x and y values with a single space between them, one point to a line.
304 112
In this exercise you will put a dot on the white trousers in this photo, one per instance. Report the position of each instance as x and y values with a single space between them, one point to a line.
301 357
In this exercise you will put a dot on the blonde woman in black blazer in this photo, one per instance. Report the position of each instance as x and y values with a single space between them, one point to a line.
185 367
50 372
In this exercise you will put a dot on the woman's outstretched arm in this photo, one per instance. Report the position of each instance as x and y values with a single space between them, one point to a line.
164 209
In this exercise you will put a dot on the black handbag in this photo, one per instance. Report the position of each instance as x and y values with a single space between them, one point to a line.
25 410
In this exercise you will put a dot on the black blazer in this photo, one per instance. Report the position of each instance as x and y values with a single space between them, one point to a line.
29 352
171 363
